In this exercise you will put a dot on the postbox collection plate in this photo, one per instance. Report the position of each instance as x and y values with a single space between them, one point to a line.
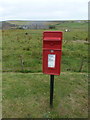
51 60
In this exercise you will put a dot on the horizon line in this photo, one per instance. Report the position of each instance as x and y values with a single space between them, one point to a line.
47 20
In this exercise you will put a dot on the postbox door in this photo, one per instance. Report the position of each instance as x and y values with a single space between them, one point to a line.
51 61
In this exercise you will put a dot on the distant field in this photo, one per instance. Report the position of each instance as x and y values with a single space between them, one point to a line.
26 95
23 53
19 22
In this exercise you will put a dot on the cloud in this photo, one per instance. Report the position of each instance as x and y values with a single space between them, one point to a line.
43 9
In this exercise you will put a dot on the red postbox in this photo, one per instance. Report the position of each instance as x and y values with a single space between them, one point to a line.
52 51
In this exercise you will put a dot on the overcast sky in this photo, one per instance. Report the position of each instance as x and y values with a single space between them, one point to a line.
43 9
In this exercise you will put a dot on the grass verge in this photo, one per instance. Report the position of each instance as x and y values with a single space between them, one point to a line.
26 95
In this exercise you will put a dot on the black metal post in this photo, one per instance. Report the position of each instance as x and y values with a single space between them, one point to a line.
51 89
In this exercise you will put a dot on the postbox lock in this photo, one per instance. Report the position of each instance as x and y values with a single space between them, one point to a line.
51 51
52 44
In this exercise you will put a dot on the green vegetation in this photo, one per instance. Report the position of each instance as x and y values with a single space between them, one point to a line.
23 52
26 95
26 89
51 26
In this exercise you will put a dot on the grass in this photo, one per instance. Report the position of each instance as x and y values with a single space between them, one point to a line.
26 95
19 47
0 74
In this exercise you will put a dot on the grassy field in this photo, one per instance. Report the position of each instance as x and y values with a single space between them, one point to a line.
0 74
23 53
26 89
26 95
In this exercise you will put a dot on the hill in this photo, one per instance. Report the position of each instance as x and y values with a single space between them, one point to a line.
45 24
